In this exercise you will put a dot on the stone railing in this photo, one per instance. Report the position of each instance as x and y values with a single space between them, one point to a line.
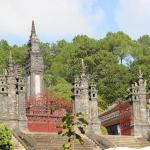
25 140
102 142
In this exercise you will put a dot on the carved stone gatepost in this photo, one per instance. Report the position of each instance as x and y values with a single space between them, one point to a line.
21 104
85 100
12 97
140 125
93 108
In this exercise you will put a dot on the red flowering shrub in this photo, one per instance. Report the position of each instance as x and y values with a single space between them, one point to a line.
47 102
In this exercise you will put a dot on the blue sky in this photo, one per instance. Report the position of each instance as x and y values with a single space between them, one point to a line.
63 19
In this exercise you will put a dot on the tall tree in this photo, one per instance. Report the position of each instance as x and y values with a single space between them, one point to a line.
118 43
85 46
112 78
144 63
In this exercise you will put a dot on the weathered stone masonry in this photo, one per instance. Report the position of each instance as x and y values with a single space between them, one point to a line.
14 88
12 96
34 66
85 99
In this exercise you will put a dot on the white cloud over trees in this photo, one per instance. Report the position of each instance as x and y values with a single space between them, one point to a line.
133 17
53 17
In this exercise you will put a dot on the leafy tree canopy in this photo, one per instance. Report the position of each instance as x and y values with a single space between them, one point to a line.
104 59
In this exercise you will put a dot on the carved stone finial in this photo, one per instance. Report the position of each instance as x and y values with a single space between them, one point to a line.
5 72
10 63
10 60
76 78
129 90
140 74
33 31
135 83
83 68
33 41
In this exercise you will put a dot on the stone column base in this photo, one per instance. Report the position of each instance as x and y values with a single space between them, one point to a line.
23 123
10 123
94 127
141 130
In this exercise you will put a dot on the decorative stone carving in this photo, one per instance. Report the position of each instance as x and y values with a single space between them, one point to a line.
34 65
14 87
85 99
12 97
140 125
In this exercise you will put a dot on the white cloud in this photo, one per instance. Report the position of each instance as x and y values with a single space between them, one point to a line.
52 17
133 17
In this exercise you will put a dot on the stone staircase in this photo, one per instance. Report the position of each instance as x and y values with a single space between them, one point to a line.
127 141
52 141
17 144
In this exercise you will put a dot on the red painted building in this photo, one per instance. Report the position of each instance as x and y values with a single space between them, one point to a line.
118 118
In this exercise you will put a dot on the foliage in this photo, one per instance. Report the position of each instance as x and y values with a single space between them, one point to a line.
51 101
61 88
144 63
103 130
19 54
118 43
84 46
73 126
60 66
4 51
101 104
105 60
5 138
114 85
112 78
144 40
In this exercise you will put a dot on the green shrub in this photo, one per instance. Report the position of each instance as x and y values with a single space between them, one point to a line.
73 126
5 138
103 130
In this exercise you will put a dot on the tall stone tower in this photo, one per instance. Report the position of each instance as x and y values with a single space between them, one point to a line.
139 124
34 65
85 99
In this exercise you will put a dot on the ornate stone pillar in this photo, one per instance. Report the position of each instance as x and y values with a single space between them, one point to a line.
34 66
140 125
21 104
93 109
85 100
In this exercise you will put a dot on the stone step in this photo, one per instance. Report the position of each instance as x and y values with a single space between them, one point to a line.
77 145
55 142
17 144
127 141
59 148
